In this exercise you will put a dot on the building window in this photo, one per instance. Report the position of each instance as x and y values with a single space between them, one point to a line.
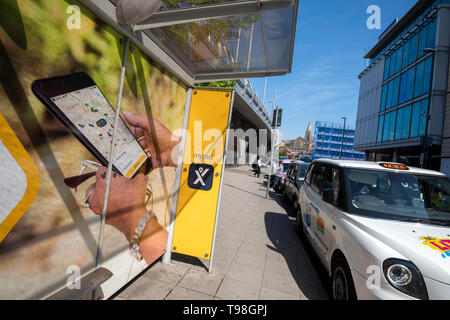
391 134
406 121
431 35
423 77
427 37
387 61
383 97
392 93
409 51
403 121
406 86
380 128
396 62
419 118
389 126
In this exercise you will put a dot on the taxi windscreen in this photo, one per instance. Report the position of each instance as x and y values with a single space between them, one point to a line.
398 196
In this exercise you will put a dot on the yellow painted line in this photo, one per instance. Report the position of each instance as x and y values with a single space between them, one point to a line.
23 159
196 209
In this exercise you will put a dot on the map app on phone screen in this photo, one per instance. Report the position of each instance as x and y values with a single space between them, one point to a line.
93 116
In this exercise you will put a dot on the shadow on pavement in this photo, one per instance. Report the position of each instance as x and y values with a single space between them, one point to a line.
188 259
303 263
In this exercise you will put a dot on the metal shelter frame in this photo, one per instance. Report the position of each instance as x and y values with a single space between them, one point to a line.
140 34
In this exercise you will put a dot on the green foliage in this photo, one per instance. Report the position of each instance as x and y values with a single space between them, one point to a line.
174 3
218 84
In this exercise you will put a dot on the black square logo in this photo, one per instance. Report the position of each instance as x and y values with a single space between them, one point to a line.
200 176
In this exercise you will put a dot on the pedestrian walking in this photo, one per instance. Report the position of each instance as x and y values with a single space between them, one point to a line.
258 167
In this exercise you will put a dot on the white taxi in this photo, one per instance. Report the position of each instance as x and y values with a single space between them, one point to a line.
382 230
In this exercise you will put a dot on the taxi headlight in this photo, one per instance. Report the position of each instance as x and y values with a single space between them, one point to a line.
404 276
399 274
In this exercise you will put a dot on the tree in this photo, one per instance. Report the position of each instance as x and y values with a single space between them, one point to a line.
218 84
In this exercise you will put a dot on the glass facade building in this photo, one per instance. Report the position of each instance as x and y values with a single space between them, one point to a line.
407 76
328 142
402 98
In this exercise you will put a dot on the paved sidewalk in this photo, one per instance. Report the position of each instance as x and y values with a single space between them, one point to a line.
258 254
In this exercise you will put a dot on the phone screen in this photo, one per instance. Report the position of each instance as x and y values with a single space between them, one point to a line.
93 116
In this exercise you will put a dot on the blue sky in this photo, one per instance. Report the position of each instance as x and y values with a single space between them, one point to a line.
331 40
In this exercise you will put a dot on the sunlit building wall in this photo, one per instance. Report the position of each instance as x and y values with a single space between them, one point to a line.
402 99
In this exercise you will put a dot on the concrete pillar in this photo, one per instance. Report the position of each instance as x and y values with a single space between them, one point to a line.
395 155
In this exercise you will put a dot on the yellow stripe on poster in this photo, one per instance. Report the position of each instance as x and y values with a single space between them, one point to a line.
201 173
136 166
26 164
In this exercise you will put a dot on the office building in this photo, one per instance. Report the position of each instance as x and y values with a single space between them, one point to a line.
403 109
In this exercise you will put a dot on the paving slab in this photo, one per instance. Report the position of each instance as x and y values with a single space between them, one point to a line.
180 293
201 281
279 282
268 294
257 254
246 274
231 289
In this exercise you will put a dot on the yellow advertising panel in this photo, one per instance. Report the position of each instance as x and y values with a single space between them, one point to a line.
201 173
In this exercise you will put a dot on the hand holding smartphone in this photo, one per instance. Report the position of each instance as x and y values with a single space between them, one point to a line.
80 105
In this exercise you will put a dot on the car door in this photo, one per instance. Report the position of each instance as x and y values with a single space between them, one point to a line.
293 182
304 201
331 207
288 182
315 210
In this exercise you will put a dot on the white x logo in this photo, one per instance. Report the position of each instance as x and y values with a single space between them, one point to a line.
200 174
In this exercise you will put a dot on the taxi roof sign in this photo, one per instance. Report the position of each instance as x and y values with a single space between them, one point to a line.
210 40
396 166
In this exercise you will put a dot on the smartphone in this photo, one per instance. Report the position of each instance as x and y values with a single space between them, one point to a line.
80 105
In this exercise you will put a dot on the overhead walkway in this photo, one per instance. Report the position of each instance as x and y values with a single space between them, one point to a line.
249 114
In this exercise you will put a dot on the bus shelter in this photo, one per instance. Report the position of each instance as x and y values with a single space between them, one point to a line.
146 57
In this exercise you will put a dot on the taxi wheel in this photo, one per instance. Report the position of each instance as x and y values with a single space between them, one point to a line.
342 282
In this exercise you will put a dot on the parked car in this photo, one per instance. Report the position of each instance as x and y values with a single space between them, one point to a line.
382 230
293 181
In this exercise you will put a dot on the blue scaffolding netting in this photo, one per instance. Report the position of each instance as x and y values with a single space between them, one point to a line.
328 142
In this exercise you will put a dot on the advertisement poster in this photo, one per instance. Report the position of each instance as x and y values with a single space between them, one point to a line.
45 233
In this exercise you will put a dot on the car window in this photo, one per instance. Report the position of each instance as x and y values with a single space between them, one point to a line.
318 177
302 171
289 173
294 171
309 174
332 183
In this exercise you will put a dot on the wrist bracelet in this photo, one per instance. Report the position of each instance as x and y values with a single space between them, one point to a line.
136 237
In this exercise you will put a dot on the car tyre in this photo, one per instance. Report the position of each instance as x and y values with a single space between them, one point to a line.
343 287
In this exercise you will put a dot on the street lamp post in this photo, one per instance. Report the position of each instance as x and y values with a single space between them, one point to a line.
343 132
